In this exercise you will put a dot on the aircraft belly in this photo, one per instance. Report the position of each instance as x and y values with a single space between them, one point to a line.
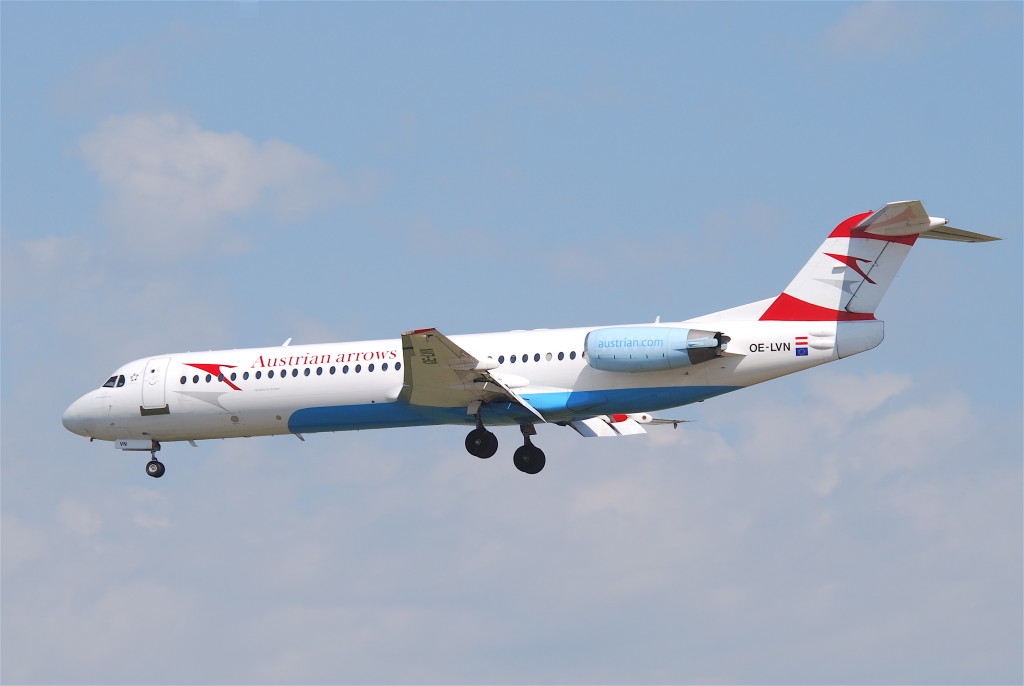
561 406
366 416
582 404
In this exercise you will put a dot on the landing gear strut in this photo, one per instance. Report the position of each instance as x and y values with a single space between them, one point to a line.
528 458
154 467
480 442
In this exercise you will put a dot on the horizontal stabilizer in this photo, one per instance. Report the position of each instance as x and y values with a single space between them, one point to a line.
674 422
908 217
948 233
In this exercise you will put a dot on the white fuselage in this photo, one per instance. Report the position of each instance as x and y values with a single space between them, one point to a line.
344 386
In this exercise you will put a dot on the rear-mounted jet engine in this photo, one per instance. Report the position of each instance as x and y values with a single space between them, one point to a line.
651 348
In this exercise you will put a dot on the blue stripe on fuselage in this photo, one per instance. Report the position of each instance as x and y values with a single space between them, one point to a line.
554 406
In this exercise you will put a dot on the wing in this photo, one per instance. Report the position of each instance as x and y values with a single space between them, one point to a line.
438 373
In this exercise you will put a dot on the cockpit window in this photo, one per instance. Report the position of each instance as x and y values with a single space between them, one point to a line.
111 382
120 381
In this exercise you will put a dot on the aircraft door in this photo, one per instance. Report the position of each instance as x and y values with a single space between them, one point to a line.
153 383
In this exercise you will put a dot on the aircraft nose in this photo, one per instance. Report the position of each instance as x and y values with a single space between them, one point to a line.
76 418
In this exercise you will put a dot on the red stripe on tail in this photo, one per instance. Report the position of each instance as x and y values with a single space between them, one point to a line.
786 308
845 230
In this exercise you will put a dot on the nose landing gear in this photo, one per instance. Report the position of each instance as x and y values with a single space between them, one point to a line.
154 467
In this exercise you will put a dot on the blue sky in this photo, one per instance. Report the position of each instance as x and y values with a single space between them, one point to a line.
185 176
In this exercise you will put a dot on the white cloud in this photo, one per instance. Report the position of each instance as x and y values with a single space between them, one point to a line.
840 427
878 27
850 395
131 75
174 186
79 518
20 543
324 559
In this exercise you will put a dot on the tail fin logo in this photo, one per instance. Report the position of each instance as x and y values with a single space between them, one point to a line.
851 262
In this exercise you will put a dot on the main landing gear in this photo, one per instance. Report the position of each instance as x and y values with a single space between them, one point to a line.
481 443
154 467
528 458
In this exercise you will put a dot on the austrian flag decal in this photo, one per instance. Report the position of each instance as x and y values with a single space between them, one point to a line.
801 346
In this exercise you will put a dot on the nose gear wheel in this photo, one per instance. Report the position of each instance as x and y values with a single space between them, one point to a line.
155 468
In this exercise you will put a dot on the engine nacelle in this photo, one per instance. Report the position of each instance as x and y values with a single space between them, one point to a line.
651 348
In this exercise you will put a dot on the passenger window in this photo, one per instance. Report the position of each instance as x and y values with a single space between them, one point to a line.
234 376
369 367
209 377
398 365
220 377
295 372
344 370
333 369
572 355
512 359
501 359
561 356
184 379
245 376
110 382
359 368
270 374
195 379
384 367
536 357
259 375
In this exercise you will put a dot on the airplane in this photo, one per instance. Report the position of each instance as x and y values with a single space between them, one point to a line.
601 381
